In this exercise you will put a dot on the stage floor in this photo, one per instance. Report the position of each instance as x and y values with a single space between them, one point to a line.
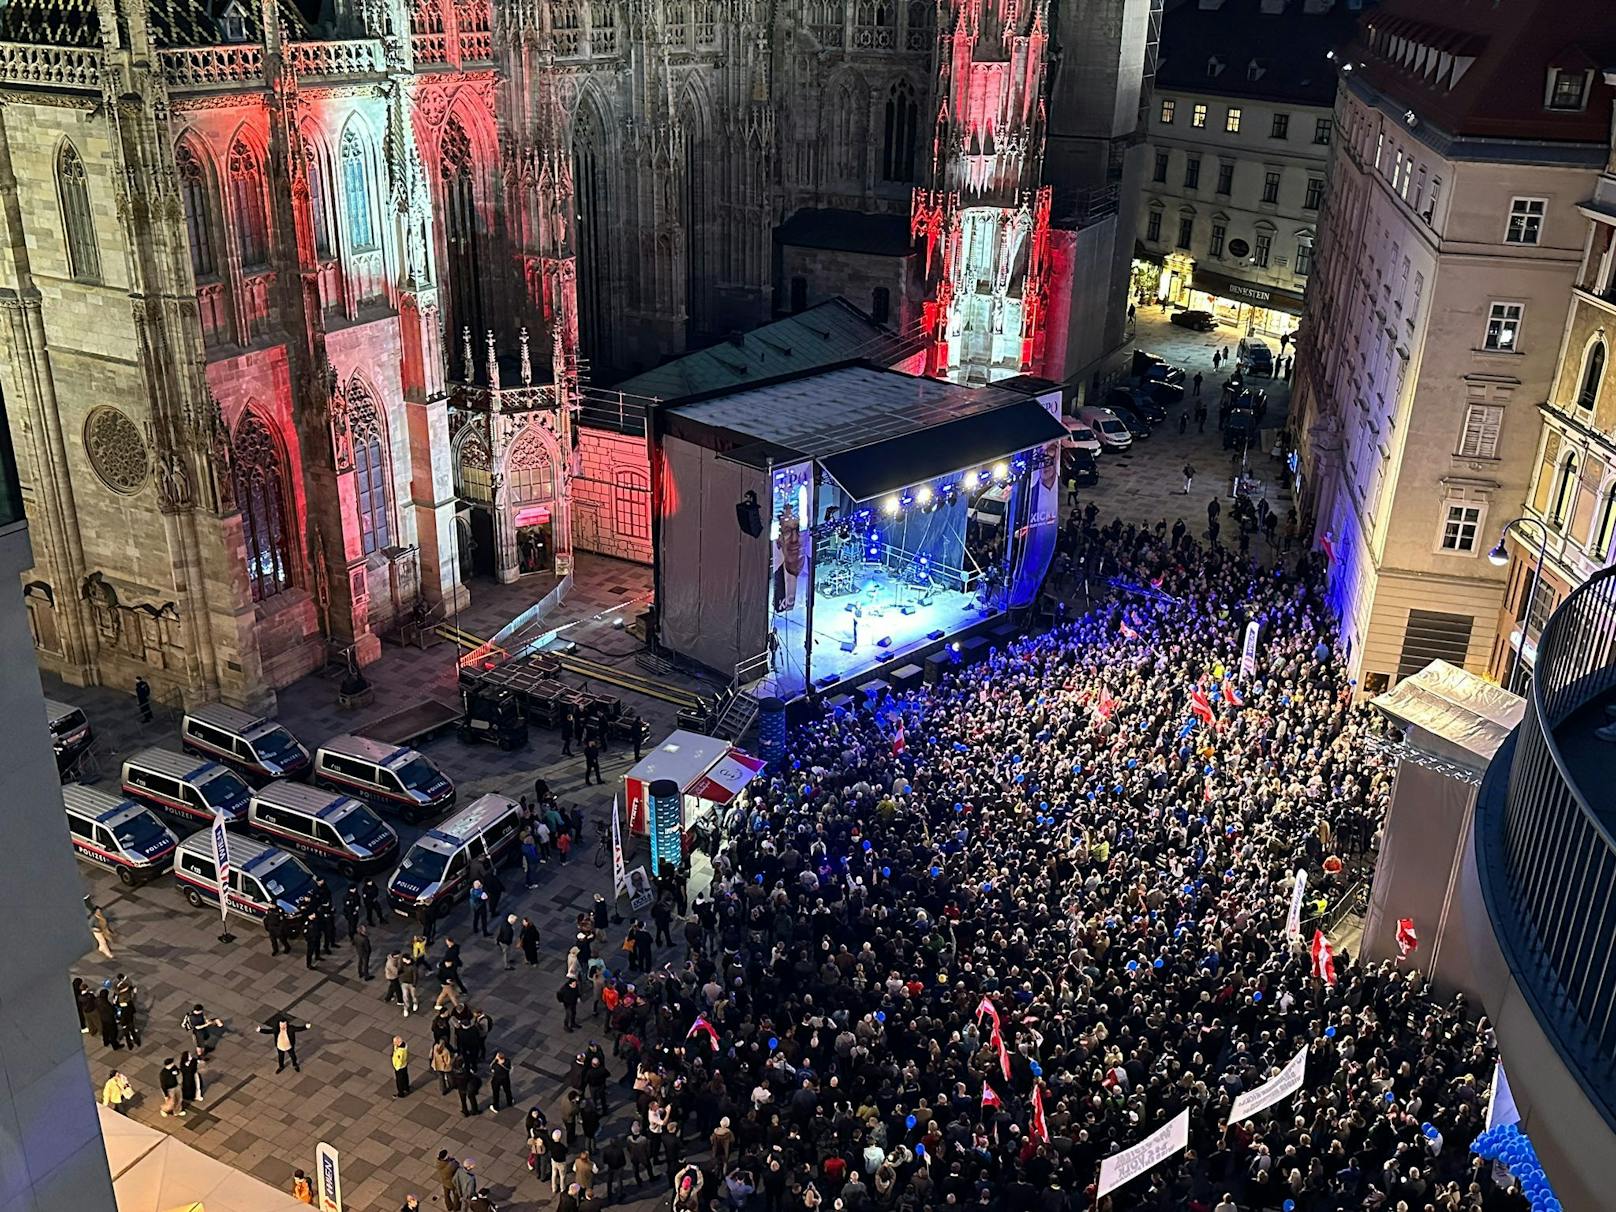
879 600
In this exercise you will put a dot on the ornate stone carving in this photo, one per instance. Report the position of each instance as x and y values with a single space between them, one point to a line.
118 454
174 484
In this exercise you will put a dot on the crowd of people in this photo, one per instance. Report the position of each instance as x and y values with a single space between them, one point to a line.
1084 846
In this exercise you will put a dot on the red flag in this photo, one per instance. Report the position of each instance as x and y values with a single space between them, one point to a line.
897 739
1200 705
1107 704
1323 959
1004 1057
701 1024
1129 632
1229 696
986 1009
989 1098
1039 1126
1407 940
1327 546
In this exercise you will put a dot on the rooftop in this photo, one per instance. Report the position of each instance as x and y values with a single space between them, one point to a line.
1239 49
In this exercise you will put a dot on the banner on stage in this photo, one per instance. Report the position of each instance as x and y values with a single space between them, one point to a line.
1248 652
1293 921
1277 1088
1172 1137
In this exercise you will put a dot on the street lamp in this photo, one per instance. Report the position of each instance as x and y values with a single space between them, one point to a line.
1500 557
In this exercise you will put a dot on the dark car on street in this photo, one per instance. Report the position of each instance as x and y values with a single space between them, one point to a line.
1081 469
1238 430
1135 421
1153 368
1192 317
1166 395
1139 401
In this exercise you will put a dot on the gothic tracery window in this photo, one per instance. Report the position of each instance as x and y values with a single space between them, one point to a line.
356 192
898 142
319 199
78 226
198 211
566 26
261 495
370 469
247 206
458 166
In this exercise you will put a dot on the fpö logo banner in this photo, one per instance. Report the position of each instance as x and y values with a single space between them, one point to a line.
325 1165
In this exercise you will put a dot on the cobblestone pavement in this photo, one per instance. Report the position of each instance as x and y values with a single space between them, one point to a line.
268 1123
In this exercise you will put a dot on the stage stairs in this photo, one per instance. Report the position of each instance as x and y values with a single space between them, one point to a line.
739 710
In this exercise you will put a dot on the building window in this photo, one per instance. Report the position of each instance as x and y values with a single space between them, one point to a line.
247 206
463 228
631 505
1593 369
319 200
1321 131
1565 489
1503 327
1161 166
1535 603
1460 527
1605 527
1186 229
880 304
1219 231
898 143
78 227
1525 221
1168 105
1231 123
1225 178
1198 117
1270 187
1315 193
1479 438
1380 147
260 473
1567 89
356 192
1153 227
371 476
1281 128
1265 246
1192 172
198 211
1304 258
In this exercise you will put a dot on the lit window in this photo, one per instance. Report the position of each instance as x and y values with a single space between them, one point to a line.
1281 129
1525 221
1605 528
1198 116
1460 527
1232 122
1503 327
1567 90
1168 105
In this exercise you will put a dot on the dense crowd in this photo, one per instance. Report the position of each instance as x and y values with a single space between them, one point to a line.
1055 831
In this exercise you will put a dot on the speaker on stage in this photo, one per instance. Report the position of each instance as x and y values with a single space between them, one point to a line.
748 515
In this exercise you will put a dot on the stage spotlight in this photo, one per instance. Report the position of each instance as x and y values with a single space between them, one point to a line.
908 500
955 646
924 494
972 480
890 506
1001 471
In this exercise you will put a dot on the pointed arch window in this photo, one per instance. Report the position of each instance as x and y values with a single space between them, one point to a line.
247 206
78 225
319 199
371 476
1593 369
260 471
898 145
198 211
457 166
356 192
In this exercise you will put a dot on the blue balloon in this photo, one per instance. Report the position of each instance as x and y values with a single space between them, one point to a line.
1132 762
1289 1205
867 845
886 873
1133 965
1160 962
987 885
880 1016
1390 1097
935 872
1329 1033
1037 1069
758 878
1257 996
774 1042
909 1122
920 1150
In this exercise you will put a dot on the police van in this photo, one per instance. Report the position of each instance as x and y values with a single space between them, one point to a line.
187 788
119 834
437 868
70 731
337 829
258 748
260 876
391 778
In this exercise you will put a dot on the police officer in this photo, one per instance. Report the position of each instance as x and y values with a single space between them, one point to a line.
275 927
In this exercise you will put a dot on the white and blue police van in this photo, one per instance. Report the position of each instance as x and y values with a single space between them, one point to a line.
325 825
261 877
123 835
257 748
190 790
437 868
390 778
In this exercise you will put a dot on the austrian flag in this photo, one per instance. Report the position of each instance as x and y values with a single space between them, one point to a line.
989 1097
1407 940
701 1024
1229 696
1323 959
1200 705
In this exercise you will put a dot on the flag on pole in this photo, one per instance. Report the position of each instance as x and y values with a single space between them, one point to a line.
1039 1126
619 865
986 1009
897 740
701 1024
1407 940
1200 705
1327 546
1229 696
221 861
1323 959
1004 1056
1129 632
989 1097
1107 704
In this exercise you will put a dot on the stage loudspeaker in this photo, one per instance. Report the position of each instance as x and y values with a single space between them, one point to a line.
830 679
749 517
884 642
935 635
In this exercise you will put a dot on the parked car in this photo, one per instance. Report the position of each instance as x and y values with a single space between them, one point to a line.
1080 437
1113 434
1254 357
1081 469
988 508
1135 420
1239 429
1164 395
1149 368
1138 402
1194 317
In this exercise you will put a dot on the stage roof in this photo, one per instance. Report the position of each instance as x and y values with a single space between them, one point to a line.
856 407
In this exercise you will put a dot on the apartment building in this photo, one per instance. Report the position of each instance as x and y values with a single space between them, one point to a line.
1452 234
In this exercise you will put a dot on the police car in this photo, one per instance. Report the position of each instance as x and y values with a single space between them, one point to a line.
120 834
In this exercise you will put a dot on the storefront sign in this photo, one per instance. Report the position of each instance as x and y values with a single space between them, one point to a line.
1254 293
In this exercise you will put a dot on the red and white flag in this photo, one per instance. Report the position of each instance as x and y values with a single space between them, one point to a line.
1004 1055
701 1024
989 1097
1229 696
897 739
986 1009
1107 704
1407 940
1327 546
1200 705
1039 1126
1129 632
1323 959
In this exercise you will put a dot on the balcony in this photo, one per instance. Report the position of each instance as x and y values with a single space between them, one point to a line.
1546 862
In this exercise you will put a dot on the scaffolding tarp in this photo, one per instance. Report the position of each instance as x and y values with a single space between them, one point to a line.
1453 714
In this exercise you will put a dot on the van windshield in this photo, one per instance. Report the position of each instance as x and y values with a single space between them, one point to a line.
140 832
1116 428
67 723
287 882
277 745
422 866
417 774
355 824
225 790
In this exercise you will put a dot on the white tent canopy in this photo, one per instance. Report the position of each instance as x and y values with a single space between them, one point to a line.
1453 714
155 1172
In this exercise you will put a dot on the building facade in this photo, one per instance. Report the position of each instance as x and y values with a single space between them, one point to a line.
1239 140
1572 501
1451 237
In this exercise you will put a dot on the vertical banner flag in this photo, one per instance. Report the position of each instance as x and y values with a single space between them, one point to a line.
619 874
1293 921
1323 958
1171 1138
1277 1088
1407 940
1039 1127
221 860
1248 651
330 1178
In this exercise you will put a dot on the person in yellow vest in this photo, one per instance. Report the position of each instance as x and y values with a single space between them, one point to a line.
117 1092
401 1067
302 1189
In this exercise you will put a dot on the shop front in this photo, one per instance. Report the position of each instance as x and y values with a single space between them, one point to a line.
1253 308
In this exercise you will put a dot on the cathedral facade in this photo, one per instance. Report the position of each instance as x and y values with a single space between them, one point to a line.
297 308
